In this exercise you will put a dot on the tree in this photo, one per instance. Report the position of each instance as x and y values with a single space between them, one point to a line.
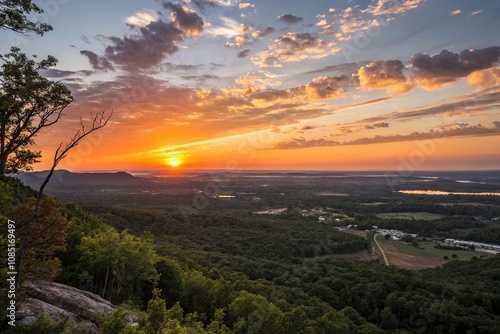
13 17
156 314
28 103
46 239
118 262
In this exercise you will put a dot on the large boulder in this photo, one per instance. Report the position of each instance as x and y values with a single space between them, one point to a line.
61 301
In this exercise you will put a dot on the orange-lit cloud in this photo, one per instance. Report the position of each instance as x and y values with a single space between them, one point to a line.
384 75
485 78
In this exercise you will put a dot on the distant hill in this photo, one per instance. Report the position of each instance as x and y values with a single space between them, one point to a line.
67 178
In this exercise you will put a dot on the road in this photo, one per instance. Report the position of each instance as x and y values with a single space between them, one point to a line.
381 249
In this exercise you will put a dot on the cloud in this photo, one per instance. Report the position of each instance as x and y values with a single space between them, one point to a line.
326 87
229 28
432 72
239 41
204 4
384 74
481 101
151 44
376 125
189 22
293 47
455 130
142 19
344 130
393 7
262 34
296 143
245 5
343 69
475 12
485 78
455 12
327 28
155 41
227 3
352 21
55 73
244 53
182 67
97 62
200 78
259 79
290 18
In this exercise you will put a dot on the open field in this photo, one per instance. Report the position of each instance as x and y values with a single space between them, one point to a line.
426 256
355 232
410 215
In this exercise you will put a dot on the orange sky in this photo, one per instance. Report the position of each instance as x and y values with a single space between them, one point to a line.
324 85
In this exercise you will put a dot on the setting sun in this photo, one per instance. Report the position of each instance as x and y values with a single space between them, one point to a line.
173 162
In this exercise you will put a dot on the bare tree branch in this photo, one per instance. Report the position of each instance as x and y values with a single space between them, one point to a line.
99 121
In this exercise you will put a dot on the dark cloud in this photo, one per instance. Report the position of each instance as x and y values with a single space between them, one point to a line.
298 41
155 41
445 67
262 34
270 61
97 62
244 53
290 18
55 73
188 20
215 65
151 44
376 125
458 130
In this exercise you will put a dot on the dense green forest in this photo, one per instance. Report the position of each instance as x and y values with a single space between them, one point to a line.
231 271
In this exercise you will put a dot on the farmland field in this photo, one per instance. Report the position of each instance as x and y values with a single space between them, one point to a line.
425 256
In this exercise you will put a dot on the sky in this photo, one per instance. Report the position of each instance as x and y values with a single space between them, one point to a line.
287 85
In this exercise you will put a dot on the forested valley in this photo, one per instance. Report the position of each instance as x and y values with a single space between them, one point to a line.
228 268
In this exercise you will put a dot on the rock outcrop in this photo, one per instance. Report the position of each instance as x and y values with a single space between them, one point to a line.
61 301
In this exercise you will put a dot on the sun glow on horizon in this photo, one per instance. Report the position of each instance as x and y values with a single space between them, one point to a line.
173 162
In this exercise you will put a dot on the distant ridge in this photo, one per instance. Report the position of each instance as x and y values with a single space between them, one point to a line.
67 178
